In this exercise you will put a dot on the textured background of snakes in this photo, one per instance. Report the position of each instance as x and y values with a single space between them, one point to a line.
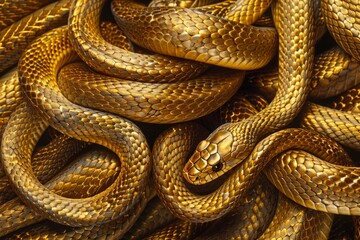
179 119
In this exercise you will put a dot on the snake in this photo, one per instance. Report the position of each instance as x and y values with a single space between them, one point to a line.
292 221
342 19
46 162
231 143
16 37
10 12
34 93
121 63
122 137
209 39
334 72
202 208
94 161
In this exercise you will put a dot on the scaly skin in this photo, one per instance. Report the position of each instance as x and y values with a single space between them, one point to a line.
49 106
231 143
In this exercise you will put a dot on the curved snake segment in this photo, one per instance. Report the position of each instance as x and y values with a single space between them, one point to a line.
172 148
334 72
349 101
343 21
15 214
118 62
10 96
248 220
46 162
15 38
340 195
153 217
191 34
343 127
182 3
292 221
179 230
121 136
231 143
150 102
13 10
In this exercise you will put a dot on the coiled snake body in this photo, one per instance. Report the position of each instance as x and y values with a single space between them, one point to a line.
194 34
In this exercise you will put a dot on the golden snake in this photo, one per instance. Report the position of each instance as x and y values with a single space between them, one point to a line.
67 183
194 35
205 208
231 143
46 162
123 137
15 38
244 104
37 97
10 11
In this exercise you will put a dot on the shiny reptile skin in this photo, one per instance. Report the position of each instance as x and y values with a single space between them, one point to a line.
116 208
172 148
15 38
231 143
122 136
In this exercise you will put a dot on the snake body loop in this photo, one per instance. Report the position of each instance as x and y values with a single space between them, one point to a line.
343 21
13 10
250 219
150 102
38 80
334 72
174 194
107 58
96 161
46 162
191 34
231 143
15 38
292 221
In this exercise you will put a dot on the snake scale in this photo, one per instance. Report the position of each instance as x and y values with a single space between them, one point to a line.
175 62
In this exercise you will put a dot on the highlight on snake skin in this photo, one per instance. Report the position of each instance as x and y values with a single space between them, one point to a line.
179 119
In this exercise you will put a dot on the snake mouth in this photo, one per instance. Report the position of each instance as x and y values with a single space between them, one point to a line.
190 178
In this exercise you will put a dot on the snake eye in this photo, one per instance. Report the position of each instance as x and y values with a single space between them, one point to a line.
217 167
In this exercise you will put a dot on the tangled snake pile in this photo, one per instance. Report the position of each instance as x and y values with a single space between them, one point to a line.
179 119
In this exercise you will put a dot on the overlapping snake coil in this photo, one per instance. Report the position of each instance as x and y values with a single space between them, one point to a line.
179 119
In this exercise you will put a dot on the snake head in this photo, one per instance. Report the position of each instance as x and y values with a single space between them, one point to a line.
211 159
